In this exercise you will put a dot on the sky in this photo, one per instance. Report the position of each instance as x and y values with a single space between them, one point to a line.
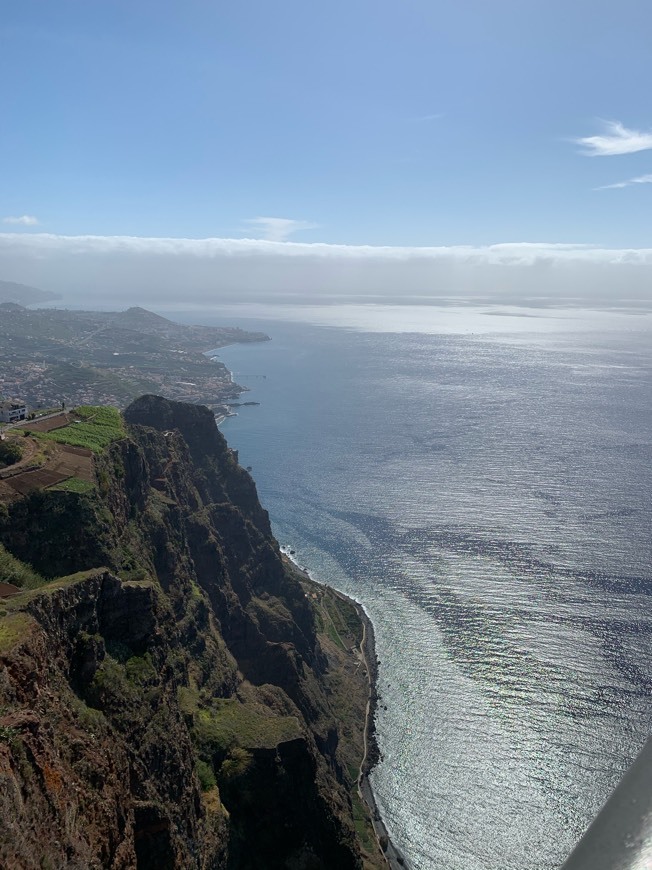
343 146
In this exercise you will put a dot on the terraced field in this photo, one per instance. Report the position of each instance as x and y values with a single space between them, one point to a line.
65 462
58 452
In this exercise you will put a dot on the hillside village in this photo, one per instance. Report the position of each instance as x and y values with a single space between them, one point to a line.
53 356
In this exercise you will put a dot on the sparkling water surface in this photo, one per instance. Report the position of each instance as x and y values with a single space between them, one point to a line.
480 479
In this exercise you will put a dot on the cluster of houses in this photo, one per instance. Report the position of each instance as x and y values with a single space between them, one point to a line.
12 410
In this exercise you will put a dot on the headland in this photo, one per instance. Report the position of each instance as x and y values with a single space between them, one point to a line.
172 693
49 356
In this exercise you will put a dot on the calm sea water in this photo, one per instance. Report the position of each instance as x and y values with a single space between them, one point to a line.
481 480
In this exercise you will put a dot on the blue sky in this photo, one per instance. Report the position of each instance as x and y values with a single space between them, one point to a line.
381 123
365 147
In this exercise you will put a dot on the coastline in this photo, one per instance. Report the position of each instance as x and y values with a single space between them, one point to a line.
393 858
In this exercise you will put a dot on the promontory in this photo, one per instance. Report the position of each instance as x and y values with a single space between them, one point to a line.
173 692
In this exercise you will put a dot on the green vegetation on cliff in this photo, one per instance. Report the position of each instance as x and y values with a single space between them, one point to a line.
13 628
14 571
73 484
187 700
10 453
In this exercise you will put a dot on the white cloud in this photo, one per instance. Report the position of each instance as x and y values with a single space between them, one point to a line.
617 139
275 229
25 220
640 179
505 253
115 269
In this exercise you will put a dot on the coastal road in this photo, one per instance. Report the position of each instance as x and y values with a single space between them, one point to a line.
367 652
393 858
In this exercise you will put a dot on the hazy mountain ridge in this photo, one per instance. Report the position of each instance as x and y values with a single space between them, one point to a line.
23 294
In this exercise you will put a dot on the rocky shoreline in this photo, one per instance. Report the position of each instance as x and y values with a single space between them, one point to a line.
395 860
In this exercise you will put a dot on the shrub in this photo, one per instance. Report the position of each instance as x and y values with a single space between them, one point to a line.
141 670
206 775
7 733
14 571
237 763
111 686
88 718
10 453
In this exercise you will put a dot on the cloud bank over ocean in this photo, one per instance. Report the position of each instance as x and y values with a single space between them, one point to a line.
147 270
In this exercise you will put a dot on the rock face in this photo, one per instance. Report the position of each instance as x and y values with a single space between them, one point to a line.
167 703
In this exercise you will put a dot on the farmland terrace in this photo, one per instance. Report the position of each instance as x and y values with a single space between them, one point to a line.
108 358
57 453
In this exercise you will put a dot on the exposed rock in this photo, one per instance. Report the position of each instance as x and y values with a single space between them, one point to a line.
170 704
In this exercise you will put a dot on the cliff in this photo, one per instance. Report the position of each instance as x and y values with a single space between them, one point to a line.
173 694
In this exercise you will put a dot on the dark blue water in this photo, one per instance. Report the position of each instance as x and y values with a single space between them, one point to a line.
486 493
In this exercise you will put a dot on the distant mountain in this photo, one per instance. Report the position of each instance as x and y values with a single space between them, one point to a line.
24 295
205 337
142 319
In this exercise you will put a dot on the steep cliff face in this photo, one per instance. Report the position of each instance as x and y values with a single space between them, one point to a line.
165 698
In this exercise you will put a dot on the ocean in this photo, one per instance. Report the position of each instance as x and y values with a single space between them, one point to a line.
480 479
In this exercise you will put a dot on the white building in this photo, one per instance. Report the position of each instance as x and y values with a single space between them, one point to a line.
12 410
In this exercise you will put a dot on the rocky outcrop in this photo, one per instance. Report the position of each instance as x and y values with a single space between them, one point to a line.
169 704
95 750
